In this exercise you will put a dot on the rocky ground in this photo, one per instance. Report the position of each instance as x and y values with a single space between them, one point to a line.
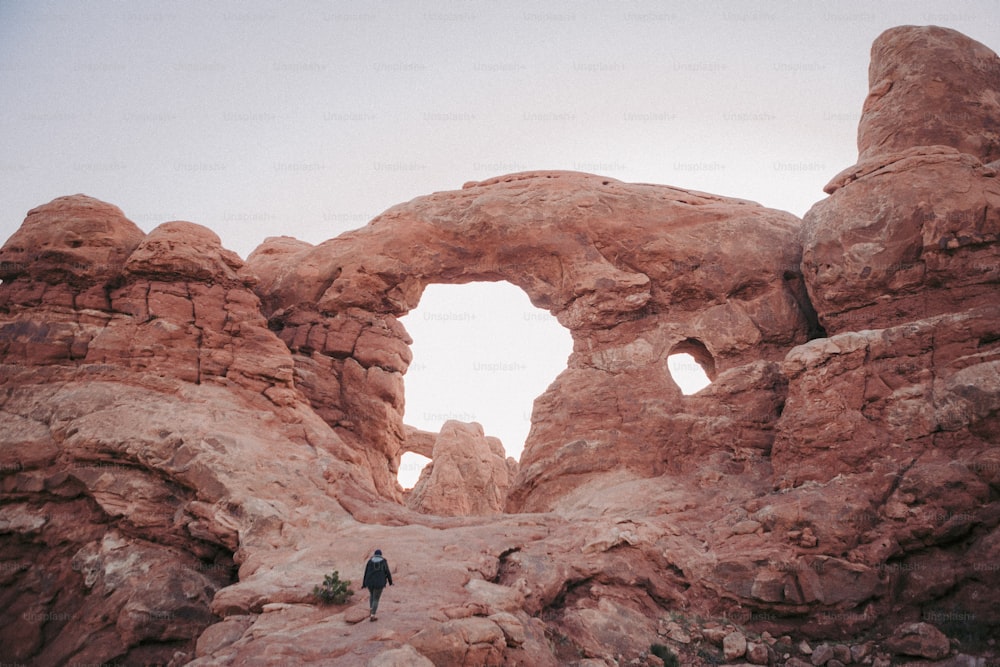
190 442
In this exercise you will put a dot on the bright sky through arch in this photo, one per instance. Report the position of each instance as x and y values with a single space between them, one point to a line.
410 465
687 373
481 353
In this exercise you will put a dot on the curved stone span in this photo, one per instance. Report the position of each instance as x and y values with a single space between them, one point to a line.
632 270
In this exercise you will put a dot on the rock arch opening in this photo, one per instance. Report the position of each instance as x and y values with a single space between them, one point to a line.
482 352
691 366
411 465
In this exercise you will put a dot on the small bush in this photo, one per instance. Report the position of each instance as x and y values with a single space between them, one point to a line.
711 655
333 590
665 654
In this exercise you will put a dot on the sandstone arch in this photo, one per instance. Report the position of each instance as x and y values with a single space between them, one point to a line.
632 270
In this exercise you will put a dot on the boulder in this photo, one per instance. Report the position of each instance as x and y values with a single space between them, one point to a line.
921 640
475 641
822 655
467 474
757 653
734 646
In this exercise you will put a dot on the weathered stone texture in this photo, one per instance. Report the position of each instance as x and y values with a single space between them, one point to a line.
190 442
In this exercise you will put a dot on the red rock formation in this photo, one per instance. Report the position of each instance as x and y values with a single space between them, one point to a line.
627 268
76 240
902 263
904 237
189 443
469 474
911 230
139 380
930 86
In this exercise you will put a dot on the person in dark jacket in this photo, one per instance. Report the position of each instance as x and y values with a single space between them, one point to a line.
377 575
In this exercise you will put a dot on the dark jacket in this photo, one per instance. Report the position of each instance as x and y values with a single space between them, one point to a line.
377 573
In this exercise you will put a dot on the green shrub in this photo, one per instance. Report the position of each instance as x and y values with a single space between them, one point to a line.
665 654
333 589
711 655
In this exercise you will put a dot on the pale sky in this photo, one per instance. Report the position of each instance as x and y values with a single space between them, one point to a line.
308 118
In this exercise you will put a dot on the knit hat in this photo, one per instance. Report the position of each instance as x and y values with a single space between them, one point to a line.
378 552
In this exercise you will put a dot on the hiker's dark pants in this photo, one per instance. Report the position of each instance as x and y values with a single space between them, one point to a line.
373 595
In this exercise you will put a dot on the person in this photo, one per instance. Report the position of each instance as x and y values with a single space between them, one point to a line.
377 575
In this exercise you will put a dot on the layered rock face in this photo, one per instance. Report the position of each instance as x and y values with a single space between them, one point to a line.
142 392
189 443
902 263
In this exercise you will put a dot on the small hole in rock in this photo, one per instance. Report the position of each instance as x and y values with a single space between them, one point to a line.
691 366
